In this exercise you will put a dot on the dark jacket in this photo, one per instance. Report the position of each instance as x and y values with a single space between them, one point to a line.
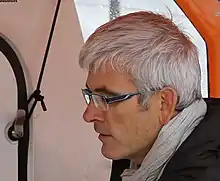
198 158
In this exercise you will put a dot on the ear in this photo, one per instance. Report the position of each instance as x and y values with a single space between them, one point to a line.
168 104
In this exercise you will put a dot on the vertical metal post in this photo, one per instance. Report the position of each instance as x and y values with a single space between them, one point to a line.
114 9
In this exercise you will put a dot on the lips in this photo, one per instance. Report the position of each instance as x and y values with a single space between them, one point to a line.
103 138
104 134
100 131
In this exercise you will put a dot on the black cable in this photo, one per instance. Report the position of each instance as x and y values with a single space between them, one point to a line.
23 143
48 45
37 93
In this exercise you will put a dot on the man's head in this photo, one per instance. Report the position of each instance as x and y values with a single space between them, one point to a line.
142 70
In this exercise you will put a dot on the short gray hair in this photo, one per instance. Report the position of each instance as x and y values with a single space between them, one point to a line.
152 50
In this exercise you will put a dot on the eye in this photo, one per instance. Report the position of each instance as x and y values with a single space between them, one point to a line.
111 95
88 91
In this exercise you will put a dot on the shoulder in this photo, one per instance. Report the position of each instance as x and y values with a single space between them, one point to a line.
198 158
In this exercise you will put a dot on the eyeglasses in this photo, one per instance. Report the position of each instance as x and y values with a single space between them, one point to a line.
102 101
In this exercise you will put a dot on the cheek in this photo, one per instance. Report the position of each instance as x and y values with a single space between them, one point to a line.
123 124
132 128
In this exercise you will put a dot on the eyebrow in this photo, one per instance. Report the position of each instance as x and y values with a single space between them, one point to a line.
105 90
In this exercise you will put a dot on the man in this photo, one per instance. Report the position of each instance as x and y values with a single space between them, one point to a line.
144 98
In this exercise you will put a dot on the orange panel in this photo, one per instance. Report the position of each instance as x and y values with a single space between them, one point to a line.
205 16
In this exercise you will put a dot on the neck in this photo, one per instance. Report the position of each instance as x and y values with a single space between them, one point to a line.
138 158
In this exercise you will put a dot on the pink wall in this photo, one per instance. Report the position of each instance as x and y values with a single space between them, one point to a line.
63 146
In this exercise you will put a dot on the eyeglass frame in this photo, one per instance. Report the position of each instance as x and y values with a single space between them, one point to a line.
110 100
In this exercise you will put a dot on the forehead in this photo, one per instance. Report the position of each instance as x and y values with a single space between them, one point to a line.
110 79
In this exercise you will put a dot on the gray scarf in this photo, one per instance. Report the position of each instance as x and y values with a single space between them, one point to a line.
171 136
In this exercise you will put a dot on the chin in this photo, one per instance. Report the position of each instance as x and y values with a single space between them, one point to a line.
112 153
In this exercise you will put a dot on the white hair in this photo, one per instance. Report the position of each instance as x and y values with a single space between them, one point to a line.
152 50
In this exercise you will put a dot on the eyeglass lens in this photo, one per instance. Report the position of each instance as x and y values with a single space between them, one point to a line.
99 101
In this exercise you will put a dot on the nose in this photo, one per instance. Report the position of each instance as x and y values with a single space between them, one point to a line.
92 113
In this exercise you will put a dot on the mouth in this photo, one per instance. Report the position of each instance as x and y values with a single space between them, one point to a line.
101 137
101 132
104 134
